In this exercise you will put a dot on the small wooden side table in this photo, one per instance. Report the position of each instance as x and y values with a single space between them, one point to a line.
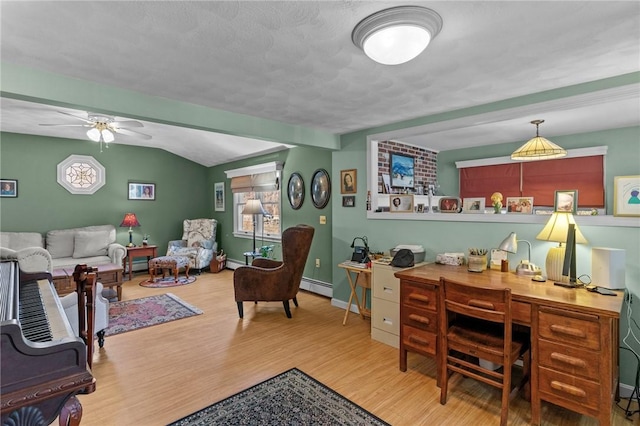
141 251
363 279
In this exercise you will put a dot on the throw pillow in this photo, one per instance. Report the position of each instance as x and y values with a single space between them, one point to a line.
89 244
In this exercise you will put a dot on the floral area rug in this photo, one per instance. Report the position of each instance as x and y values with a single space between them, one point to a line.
168 281
290 398
132 315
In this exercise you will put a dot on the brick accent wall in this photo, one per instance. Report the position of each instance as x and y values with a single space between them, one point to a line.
426 162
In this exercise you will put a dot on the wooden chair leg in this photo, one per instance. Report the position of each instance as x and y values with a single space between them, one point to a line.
295 301
287 309
240 310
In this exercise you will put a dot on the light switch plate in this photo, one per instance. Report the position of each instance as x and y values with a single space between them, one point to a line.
323 220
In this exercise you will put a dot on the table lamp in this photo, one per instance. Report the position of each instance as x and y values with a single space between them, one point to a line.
556 230
130 220
254 207
510 244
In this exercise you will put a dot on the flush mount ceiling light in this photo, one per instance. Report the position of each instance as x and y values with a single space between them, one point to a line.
538 148
397 35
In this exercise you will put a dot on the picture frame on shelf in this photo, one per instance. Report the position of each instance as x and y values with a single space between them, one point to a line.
141 191
386 184
218 191
473 205
9 188
566 201
626 196
449 205
349 201
520 205
348 182
420 208
401 203
402 170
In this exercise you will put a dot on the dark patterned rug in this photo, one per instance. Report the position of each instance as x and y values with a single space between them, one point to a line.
290 398
169 281
134 314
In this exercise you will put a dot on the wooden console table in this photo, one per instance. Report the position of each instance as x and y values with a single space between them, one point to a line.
574 334
142 251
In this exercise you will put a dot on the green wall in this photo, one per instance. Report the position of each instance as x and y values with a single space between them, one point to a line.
304 160
43 205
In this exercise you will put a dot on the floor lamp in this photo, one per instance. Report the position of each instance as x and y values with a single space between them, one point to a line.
254 207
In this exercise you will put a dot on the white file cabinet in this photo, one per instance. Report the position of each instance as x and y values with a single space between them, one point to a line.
385 304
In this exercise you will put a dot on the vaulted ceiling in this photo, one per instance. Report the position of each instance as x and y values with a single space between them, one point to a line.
294 62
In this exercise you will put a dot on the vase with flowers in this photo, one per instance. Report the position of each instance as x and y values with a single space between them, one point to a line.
145 239
496 200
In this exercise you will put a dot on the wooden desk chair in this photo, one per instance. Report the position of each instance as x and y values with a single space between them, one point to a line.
475 323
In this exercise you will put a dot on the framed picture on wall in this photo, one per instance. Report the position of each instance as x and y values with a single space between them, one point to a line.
348 182
142 191
349 201
402 170
9 188
626 196
566 201
218 191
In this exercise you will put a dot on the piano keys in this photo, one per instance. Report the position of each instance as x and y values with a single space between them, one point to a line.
43 366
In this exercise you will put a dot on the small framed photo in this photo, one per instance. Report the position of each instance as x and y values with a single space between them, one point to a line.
9 188
522 205
473 205
142 191
349 201
386 184
420 208
348 184
401 203
218 191
566 201
449 205
626 196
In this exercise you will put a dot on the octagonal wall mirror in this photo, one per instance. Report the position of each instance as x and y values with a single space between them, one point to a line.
320 188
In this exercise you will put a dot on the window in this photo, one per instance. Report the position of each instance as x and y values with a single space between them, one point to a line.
260 182
81 174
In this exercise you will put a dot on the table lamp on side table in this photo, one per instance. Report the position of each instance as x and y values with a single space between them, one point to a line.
130 220
556 230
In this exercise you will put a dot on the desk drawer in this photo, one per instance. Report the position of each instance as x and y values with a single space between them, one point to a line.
570 328
420 318
419 340
385 316
419 296
569 391
569 359
388 289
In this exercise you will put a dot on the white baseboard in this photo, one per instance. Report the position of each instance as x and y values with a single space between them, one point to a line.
343 305
625 390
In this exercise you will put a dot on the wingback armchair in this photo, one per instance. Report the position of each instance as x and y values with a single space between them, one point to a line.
274 281
198 242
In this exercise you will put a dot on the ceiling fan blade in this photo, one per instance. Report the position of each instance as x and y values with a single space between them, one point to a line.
68 125
128 123
86 120
133 133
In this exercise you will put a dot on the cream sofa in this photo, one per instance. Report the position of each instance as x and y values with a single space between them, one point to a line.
91 245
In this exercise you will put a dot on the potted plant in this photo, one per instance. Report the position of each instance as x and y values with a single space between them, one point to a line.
145 239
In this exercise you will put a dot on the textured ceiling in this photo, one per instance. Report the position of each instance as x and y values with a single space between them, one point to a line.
294 62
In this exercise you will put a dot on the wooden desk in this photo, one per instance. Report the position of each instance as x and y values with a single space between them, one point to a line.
574 334
141 251
363 279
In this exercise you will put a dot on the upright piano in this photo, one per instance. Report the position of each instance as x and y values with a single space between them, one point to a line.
43 365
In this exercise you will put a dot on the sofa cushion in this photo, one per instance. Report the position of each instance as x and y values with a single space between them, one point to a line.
90 243
20 240
60 242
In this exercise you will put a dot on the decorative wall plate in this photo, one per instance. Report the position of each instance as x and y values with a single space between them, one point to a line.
295 190
320 188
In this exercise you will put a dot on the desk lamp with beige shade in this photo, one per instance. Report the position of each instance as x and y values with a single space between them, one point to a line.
556 229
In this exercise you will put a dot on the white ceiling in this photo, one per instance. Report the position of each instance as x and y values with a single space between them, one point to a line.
294 62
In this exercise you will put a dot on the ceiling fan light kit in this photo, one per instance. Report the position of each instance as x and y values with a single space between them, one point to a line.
538 148
396 35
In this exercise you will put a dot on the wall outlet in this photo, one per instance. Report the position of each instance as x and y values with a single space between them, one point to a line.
317 263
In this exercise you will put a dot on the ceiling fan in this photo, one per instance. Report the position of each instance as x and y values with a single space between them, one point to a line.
102 128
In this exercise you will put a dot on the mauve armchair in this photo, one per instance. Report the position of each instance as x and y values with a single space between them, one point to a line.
269 280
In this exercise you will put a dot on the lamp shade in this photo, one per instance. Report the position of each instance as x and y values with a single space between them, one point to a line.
130 220
510 244
396 35
254 206
538 148
557 227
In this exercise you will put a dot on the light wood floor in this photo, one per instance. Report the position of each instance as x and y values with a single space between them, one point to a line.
156 375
